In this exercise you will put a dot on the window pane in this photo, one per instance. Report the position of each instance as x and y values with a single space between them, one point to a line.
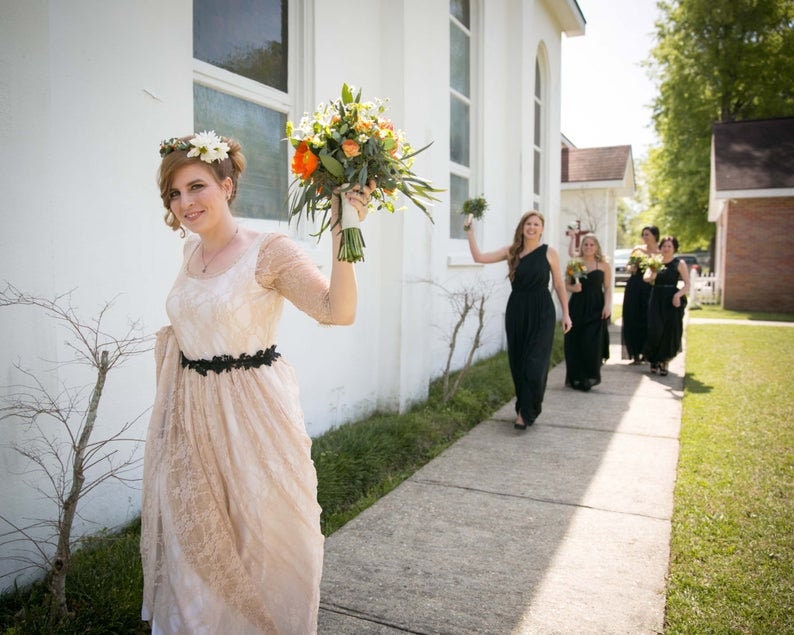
458 131
247 37
263 186
459 60
536 179
458 193
537 124
537 81
460 9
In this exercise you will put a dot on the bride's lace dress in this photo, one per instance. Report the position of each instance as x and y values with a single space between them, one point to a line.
231 538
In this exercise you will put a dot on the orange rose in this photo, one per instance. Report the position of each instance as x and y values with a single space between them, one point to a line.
305 162
351 148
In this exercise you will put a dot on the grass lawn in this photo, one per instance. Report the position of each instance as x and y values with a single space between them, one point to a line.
732 552
715 312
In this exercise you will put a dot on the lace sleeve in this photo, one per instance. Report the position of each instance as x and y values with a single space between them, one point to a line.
283 266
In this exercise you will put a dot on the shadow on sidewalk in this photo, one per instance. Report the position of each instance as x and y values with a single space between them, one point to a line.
562 528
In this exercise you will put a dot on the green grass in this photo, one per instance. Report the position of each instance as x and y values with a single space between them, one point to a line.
357 463
715 312
104 592
732 551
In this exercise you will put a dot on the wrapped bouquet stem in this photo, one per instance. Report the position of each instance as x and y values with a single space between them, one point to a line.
351 246
343 145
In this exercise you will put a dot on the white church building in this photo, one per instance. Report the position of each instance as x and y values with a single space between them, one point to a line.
89 88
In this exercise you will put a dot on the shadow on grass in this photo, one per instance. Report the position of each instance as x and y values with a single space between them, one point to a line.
693 385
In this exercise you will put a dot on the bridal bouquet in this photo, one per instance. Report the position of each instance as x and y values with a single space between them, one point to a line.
576 271
346 143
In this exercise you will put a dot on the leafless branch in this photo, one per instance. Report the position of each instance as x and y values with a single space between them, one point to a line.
462 302
60 449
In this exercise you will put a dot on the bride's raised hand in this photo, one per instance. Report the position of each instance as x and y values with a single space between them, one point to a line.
360 197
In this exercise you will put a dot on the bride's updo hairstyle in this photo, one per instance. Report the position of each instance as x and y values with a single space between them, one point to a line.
223 156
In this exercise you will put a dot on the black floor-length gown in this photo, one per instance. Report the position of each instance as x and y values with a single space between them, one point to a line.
529 323
635 315
587 343
665 322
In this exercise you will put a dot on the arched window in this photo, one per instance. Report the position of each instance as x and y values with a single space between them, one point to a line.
538 142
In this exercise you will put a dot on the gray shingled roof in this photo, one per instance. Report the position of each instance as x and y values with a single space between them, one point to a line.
754 155
580 165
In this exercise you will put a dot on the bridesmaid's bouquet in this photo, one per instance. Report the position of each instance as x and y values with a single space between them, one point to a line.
654 263
576 271
346 143
474 209
638 261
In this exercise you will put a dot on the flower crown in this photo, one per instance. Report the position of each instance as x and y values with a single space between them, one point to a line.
207 146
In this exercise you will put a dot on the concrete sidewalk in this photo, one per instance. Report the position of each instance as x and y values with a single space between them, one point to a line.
564 528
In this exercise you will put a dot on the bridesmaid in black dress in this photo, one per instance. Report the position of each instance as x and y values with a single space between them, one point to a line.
666 307
530 314
635 298
589 308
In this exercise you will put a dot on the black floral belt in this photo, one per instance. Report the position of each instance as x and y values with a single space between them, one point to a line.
221 363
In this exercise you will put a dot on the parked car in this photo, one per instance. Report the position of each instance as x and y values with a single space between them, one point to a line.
620 261
691 261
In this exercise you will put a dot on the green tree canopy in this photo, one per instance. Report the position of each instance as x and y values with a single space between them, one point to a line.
714 60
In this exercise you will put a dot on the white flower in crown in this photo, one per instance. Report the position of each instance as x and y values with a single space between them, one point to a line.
208 147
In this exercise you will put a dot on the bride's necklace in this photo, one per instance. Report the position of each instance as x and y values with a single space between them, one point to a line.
217 253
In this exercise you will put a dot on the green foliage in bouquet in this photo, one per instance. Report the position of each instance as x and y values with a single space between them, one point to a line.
346 143
475 206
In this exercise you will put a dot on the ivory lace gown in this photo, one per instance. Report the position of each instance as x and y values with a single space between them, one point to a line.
231 539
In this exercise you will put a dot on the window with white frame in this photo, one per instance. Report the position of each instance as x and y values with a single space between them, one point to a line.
460 111
537 142
241 89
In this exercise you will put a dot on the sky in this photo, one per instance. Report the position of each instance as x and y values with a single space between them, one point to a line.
606 94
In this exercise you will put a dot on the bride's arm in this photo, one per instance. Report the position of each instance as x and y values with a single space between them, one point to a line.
284 266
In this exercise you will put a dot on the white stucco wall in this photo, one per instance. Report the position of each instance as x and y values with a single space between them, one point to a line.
88 88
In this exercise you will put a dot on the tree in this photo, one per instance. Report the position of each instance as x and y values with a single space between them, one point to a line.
464 303
78 464
714 61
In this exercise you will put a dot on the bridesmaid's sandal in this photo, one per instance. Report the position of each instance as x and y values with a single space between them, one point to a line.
663 370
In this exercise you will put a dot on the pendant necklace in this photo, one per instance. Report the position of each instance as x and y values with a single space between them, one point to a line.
215 255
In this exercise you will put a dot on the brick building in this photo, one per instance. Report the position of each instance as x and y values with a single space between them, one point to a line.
752 202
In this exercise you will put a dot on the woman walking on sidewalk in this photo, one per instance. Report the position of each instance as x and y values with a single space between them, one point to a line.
530 314
666 307
636 296
587 343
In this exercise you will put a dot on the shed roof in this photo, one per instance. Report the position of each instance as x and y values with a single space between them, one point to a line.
581 165
754 155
